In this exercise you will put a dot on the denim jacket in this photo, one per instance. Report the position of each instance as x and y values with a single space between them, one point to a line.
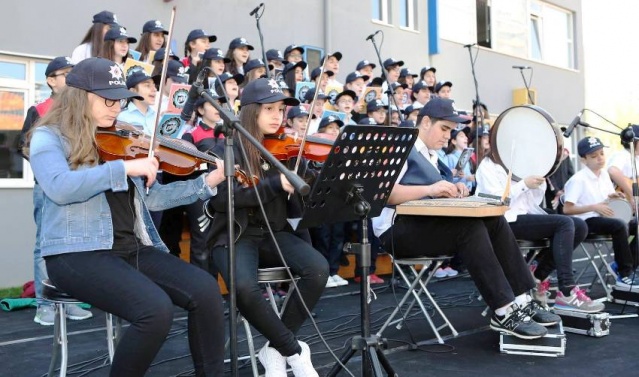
75 213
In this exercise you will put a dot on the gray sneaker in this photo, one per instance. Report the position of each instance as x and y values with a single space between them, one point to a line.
578 301
76 313
45 315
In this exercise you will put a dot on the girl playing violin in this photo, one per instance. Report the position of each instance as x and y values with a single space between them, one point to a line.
263 105
97 237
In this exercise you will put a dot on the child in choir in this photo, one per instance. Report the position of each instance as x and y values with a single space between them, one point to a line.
428 75
140 112
196 43
153 38
92 42
239 52
116 45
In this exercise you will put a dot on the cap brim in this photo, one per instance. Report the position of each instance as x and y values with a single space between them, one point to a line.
288 101
457 119
179 80
212 38
116 94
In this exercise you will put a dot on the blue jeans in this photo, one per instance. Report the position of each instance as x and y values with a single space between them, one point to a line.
565 232
255 249
142 287
39 267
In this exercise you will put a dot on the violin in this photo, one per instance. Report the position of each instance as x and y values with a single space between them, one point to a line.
284 146
178 157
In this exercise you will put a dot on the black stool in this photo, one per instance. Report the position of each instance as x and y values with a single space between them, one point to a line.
60 300
534 247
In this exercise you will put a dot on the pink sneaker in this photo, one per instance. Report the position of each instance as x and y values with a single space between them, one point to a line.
578 301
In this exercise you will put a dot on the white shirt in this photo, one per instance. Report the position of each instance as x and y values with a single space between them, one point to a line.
621 160
492 179
80 53
585 188
385 220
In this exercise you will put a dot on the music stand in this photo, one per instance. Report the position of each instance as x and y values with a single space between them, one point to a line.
354 184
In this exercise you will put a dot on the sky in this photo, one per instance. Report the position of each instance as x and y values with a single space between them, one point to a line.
611 64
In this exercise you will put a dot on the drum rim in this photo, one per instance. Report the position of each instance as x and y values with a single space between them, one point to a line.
559 140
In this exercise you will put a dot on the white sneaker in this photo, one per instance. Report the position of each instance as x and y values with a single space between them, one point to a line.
440 273
301 364
273 362
331 283
339 280
76 313
450 272
45 315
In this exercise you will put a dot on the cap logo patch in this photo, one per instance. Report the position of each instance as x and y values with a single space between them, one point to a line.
593 142
243 41
331 118
274 87
158 24
116 74
122 31
68 60
115 18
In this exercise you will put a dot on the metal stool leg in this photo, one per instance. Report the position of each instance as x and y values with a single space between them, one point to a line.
57 341
113 333
416 295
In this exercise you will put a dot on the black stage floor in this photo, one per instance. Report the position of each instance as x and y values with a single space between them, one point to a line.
25 347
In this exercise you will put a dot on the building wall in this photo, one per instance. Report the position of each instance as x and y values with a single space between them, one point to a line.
331 24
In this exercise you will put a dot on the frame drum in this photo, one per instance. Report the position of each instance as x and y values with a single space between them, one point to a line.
526 141
621 208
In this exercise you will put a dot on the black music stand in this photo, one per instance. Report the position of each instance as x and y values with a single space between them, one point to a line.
354 184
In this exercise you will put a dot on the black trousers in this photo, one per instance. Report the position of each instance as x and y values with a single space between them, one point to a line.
486 245
625 254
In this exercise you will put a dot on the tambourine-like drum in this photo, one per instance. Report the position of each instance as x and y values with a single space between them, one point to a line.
526 141
621 208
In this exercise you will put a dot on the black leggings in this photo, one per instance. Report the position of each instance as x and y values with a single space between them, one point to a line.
141 288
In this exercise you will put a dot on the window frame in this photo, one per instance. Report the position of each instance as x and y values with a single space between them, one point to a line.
28 86
385 12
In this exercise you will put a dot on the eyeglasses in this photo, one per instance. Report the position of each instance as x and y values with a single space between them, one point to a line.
60 74
112 102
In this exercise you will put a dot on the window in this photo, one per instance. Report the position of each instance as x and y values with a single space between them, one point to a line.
381 10
551 35
408 14
22 83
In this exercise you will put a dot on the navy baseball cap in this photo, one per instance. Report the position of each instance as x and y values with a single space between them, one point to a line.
354 76
396 85
118 32
420 85
58 63
159 55
460 128
346 92
337 55
426 69
407 123
328 120
316 72
274 54
368 121
410 108
240 42
297 111
442 84
215 54
199 33
177 72
586 145
442 108
105 17
308 97
405 72
290 49
363 64
291 66
201 100
137 77
226 76
255 63
375 105
265 90
391 62
154 26
102 77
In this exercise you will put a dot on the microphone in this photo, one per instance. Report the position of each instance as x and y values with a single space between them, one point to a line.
194 94
573 124
470 45
521 67
256 9
372 35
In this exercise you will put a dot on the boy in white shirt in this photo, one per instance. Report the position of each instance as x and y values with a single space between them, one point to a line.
587 195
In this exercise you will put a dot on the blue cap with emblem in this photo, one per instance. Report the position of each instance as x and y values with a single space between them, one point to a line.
58 63
102 77
265 90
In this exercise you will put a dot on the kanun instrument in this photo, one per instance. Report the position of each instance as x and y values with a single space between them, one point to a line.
453 207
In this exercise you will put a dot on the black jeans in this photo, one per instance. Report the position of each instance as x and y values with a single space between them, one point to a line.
141 288
565 232
328 239
486 245
618 230
255 250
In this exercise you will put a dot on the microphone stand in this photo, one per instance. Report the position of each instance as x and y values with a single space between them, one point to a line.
390 87
478 151
521 70
258 15
231 124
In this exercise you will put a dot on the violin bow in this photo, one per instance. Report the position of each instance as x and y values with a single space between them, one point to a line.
165 66
310 116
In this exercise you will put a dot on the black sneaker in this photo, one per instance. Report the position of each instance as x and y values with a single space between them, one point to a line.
541 314
518 324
